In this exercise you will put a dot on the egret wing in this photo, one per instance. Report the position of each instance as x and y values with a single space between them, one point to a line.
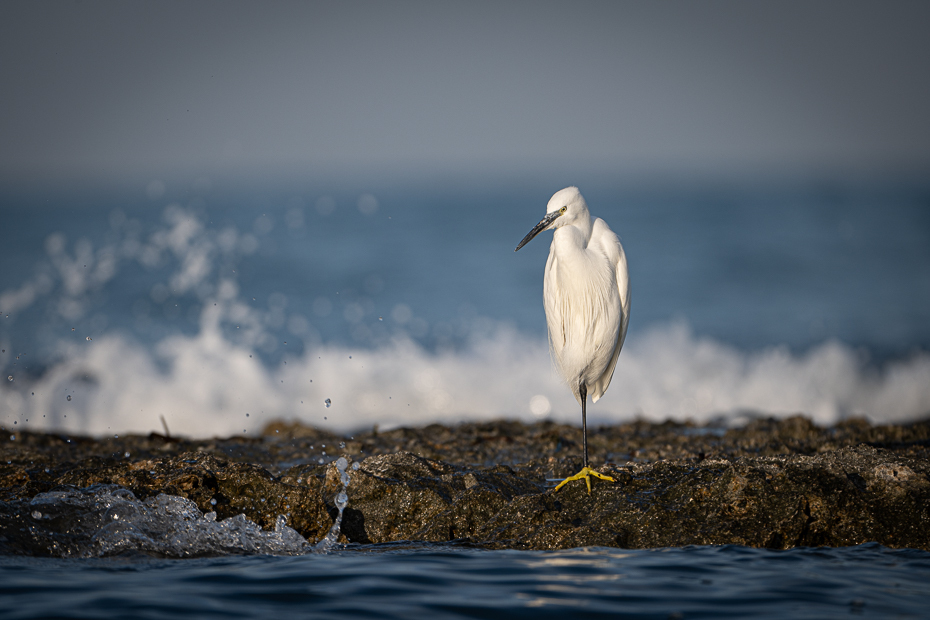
614 250
555 321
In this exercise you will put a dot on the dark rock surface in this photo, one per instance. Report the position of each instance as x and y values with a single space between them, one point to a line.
774 484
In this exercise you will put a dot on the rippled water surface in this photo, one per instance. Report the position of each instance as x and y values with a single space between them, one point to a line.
403 581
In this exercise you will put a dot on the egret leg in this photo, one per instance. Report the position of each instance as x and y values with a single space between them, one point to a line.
586 472
584 421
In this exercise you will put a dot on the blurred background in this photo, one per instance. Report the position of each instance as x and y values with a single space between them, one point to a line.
223 213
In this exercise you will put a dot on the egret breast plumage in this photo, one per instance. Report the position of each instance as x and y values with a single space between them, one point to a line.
586 294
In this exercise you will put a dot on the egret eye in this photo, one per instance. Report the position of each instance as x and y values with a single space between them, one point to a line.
563 209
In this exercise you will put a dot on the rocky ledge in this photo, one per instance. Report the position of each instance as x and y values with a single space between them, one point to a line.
775 484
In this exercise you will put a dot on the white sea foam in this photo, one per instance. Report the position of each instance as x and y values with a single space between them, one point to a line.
205 384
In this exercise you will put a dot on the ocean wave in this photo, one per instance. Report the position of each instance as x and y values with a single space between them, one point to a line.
208 385
222 368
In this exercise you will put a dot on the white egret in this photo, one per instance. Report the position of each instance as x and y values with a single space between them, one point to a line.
586 293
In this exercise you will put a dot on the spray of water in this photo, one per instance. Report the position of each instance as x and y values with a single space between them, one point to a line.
341 501
105 520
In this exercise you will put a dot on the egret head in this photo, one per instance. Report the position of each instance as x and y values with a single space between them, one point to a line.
566 206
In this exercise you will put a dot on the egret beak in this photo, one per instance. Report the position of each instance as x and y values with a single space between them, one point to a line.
543 224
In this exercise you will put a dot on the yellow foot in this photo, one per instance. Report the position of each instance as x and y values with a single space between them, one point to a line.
585 473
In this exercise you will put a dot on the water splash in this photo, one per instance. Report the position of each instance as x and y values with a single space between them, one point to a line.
105 520
341 500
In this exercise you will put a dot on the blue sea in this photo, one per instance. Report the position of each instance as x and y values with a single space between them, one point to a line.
422 581
203 300
213 306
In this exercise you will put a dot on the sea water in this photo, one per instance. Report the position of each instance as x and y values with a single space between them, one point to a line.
112 562
221 305
445 581
213 307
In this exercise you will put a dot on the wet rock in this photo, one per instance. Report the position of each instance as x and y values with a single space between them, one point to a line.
406 497
776 484
839 498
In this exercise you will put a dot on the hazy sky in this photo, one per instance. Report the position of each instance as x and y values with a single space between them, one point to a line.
145 88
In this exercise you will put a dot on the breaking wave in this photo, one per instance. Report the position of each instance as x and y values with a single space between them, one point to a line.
216 377
207 385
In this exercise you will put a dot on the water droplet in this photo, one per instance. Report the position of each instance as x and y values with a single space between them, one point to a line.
320 461
69 396
89 338
342 445
380 318
341 500
246 415
10 377
126 454
324 451
285 342
350 357
213 502
355 466
325 418
13 438
36 514
115 436
263 500
72 329
328 402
